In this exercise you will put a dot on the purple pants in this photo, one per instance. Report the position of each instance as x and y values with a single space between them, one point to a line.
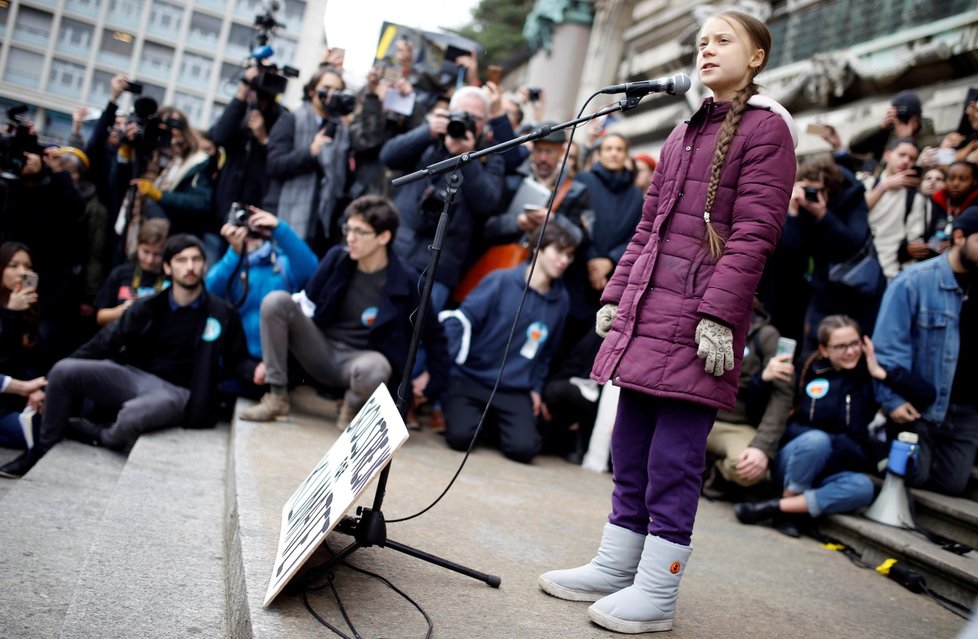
658 448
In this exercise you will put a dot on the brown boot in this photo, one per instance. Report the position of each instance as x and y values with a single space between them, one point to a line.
270 408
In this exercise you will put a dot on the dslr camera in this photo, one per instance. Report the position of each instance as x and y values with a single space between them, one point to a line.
459 122
152 131
336 104
904 114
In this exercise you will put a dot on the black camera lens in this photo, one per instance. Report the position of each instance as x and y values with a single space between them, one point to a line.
459 123
811 193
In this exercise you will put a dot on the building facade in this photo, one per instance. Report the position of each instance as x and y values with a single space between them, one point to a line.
57 55
833 61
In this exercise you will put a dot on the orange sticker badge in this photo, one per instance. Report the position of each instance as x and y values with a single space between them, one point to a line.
817 388
675 567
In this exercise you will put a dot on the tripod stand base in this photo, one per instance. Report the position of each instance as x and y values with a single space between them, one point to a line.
371 530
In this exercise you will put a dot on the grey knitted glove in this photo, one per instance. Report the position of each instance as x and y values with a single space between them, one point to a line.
715 346
606 315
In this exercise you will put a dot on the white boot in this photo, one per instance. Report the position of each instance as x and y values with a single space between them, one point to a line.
612 569
649 605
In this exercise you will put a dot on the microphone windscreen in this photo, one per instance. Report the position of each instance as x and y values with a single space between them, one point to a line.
682 83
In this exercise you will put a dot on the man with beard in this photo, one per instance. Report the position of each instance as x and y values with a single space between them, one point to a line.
927 323
158 365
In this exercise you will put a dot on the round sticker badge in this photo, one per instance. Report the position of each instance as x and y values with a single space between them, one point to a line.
368 316
817 388
212 330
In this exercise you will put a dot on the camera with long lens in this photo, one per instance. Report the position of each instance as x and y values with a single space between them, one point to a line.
336 104
460 123
15 142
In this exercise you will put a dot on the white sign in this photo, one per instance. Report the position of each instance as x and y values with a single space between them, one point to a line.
333 487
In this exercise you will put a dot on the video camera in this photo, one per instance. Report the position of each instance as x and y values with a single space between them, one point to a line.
272 79
15 142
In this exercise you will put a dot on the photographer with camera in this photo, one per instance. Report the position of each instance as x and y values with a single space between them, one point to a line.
182 191
904 119
307 157
264 255
445 134
827 223
242 131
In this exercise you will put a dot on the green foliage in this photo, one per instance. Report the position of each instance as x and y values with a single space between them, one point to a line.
498 26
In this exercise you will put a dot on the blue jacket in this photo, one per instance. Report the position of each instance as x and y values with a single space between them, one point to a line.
478 331
390 334
918 329
479 197
286 268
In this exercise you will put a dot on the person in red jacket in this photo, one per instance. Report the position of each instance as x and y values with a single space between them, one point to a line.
680 298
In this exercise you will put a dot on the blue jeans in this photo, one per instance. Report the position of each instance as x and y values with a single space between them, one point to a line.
798 469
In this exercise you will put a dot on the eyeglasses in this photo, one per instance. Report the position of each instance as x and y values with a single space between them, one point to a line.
359 232
842 348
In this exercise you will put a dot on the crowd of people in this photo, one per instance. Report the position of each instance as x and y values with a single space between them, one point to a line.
271 251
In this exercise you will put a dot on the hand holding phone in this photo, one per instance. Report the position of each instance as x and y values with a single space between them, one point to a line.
786 346
30 280
494 74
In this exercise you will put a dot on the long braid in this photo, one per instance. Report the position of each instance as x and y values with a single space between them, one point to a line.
724 137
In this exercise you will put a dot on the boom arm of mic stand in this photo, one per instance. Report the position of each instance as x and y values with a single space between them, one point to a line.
443 166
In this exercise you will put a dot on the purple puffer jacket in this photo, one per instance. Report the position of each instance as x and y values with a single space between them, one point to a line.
667 281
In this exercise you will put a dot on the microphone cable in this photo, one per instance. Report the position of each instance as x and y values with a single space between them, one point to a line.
561 176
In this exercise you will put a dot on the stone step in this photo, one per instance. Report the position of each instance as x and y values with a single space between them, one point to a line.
48 521
952 576
952 517
156 566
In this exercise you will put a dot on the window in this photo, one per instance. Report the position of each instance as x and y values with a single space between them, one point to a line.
116 47
101 87
33 26
196 68
285 49
4 10
165 16
23 68
205 30
240 40
66 78
294 12
84 7
192 105
75 37
156 60
128 12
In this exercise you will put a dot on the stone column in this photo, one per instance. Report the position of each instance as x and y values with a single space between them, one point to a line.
606 46
559 73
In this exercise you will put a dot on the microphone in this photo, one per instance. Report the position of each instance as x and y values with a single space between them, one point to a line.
675 85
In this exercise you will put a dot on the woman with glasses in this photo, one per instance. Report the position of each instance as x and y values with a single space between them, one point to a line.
827 447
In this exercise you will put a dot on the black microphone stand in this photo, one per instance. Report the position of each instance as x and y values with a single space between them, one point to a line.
370 529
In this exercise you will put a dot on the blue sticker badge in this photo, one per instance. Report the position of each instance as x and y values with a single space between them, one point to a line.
536 334
368 316
817 388
212 330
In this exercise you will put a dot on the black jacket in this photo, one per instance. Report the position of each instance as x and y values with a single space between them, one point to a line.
125 342
390 334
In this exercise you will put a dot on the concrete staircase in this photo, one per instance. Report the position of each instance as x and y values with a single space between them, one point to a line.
178 540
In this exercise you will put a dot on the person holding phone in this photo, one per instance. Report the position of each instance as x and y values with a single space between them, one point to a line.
21 368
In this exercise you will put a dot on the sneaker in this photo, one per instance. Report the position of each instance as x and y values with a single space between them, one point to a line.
270 408
411 421
345 416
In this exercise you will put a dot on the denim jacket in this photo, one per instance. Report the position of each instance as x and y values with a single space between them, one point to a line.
918 329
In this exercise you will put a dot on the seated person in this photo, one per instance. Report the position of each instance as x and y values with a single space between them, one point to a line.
132 280
570 400
927 323
478 332
19 329
827 448
745 440
357 336
264 255
158 365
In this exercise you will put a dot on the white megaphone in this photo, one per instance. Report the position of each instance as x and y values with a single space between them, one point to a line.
892 507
